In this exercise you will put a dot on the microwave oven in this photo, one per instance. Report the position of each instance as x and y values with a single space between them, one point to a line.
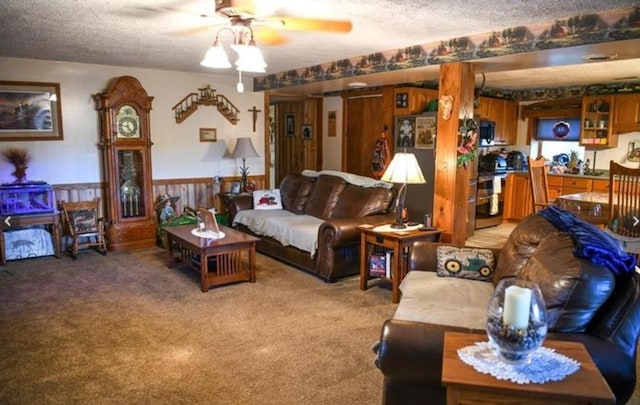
486 132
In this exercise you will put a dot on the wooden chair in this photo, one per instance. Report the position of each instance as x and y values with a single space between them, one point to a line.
624 206
84 225
539 184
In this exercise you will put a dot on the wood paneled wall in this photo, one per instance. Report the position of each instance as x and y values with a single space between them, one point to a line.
193 192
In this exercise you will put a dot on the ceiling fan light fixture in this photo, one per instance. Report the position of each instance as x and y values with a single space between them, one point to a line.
250 58
216 57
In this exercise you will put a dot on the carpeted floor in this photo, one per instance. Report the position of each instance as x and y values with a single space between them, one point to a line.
126 329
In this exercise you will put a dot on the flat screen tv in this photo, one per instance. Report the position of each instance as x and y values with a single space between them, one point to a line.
558 129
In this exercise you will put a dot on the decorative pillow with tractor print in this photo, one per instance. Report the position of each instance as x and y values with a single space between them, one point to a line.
470 263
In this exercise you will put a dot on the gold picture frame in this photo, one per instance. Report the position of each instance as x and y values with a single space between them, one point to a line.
208 135
30 111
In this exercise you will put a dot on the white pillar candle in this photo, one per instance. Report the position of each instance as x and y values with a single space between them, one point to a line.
517 301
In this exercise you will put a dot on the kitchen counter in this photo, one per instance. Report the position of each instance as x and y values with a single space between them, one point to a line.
602 174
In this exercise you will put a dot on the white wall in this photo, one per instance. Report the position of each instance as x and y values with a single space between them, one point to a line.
176 152
332 146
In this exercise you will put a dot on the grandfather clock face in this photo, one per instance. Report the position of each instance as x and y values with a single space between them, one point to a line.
128 122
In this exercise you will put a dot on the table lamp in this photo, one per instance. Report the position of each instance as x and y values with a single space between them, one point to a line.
403 169
244 149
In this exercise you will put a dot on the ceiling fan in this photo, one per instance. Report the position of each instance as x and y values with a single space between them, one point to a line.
266 18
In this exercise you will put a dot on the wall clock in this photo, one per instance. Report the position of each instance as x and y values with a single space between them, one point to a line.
125 142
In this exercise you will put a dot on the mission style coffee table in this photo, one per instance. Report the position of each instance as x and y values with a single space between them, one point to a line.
219 261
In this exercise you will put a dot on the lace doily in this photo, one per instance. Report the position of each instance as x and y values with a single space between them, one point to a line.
546 364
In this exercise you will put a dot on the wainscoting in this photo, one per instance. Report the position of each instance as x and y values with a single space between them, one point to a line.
193 192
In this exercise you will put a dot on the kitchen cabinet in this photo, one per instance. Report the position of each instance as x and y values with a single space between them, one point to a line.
596 122
412 100
626 113
517 192
517 197
554 184
505 114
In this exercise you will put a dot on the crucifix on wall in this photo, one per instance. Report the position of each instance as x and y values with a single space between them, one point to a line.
254 114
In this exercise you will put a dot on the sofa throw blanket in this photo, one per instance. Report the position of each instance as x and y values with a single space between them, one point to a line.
591 242
300 231
350 178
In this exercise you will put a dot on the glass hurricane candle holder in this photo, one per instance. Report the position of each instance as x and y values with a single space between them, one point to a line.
516 320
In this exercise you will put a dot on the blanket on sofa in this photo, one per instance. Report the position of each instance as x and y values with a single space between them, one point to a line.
300 231
591 242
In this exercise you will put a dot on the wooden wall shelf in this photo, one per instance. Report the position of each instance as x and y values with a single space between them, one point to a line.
206 96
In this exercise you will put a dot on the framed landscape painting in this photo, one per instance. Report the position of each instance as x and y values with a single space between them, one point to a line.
30 111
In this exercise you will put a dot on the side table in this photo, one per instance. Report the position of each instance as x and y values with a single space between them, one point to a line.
52 220
399 241
465 385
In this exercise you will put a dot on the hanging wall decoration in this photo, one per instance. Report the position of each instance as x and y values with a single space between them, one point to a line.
467 141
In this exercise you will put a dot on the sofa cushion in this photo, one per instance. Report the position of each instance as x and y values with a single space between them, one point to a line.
267 200
470 263
356 201
443 300
325 194
295 190
573 288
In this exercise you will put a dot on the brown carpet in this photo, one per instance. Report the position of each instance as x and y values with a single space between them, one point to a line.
126 329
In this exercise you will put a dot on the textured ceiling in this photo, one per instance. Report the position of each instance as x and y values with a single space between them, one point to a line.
152 34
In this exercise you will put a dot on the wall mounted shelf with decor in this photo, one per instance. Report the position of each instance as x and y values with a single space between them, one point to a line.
206 96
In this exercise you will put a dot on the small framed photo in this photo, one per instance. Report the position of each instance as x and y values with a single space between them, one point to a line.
208 135
402 100
290 121
307 131
235 187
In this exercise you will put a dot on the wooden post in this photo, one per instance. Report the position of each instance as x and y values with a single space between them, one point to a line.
451 182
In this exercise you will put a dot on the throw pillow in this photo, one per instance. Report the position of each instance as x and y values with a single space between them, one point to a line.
469 263
267 200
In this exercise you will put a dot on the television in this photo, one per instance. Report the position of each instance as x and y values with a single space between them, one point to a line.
558 129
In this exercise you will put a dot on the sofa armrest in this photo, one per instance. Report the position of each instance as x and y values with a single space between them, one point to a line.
238 203
338 231
411 351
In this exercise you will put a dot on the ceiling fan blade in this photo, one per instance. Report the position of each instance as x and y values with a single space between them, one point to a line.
236 8
312 24
268 36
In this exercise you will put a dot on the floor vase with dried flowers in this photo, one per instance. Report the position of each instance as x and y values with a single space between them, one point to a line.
20 158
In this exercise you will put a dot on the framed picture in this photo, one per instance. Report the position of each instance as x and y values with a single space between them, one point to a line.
426 132
307 131
30 111
235 187
405 131
402 100
208 135
290 121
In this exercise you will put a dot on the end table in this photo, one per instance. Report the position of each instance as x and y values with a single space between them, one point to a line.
398 241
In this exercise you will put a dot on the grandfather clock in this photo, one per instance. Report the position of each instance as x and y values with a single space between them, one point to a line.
125 142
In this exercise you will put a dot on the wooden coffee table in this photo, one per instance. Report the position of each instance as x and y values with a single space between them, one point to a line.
465 385
225 255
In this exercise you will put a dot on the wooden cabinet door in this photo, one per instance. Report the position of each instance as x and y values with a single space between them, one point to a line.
517 197
510 123
626 113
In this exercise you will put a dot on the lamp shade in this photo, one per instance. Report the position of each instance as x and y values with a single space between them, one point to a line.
244 149
216 57
404 168
250 58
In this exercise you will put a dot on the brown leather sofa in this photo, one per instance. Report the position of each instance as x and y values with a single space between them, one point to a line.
586 302
341 204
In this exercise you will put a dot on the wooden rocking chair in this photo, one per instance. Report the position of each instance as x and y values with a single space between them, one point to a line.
84 225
